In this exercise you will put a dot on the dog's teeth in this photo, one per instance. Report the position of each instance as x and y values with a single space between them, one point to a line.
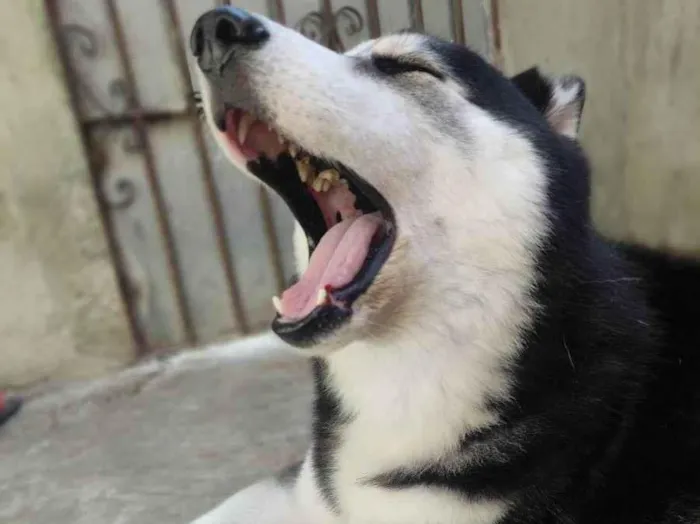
244 127
278 304
305 170
322 297
326 179
331 176
318 184
293 150
280 139
344 182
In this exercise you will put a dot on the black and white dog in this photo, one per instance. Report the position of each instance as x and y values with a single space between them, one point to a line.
481 355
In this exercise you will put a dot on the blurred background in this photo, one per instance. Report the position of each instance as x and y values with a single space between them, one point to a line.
124 233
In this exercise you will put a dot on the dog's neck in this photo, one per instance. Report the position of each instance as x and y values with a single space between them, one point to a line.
414 395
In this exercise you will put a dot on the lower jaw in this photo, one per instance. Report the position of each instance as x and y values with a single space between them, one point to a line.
312 329
325 319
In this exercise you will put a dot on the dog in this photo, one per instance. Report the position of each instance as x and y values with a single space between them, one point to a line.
480 354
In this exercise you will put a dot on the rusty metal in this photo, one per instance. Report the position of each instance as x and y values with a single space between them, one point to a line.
140 128
212 194
128 116
328 30
496 41
96 169
80 39
276 10
416 12
457 19
373 23
323 26
273 246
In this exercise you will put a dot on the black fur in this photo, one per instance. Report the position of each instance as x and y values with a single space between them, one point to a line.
328 420
535 87
604 423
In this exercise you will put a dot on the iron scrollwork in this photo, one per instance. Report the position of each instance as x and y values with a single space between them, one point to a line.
119 193
82 42
323 27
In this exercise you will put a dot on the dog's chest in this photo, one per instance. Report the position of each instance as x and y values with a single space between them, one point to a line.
412 415
360 499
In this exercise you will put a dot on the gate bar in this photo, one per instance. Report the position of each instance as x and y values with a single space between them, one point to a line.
416 12
276 9
496 51
212 193
457 19
139 125
373 23
115 250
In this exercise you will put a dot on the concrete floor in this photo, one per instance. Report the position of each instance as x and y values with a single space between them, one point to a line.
160 443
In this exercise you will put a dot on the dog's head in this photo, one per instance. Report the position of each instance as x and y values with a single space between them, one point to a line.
411 165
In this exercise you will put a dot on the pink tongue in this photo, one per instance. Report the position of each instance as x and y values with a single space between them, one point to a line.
335 262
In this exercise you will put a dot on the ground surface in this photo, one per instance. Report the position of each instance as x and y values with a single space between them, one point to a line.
161 443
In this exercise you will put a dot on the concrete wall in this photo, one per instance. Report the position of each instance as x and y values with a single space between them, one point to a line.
60 313
642 119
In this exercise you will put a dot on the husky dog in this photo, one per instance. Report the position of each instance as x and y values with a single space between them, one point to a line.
480 354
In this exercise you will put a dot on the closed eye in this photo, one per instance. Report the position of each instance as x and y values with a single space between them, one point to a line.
391 66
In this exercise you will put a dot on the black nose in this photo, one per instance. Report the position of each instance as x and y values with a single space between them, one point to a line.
218 30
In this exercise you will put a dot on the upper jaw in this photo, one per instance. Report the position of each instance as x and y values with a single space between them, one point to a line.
275 169
234 107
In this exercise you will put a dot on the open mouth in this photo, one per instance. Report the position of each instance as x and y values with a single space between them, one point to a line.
349 226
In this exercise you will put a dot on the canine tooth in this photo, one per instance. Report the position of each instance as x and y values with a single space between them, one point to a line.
293 150
244 127
322 297
278 304
306 170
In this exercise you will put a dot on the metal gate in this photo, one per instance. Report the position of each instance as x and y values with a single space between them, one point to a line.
198 250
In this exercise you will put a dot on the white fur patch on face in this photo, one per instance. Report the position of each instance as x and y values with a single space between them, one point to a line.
398 45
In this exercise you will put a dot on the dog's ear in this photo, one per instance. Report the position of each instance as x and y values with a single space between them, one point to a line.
560 99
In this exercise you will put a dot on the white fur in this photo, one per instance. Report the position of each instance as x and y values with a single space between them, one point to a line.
264 503
564 110
431 336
